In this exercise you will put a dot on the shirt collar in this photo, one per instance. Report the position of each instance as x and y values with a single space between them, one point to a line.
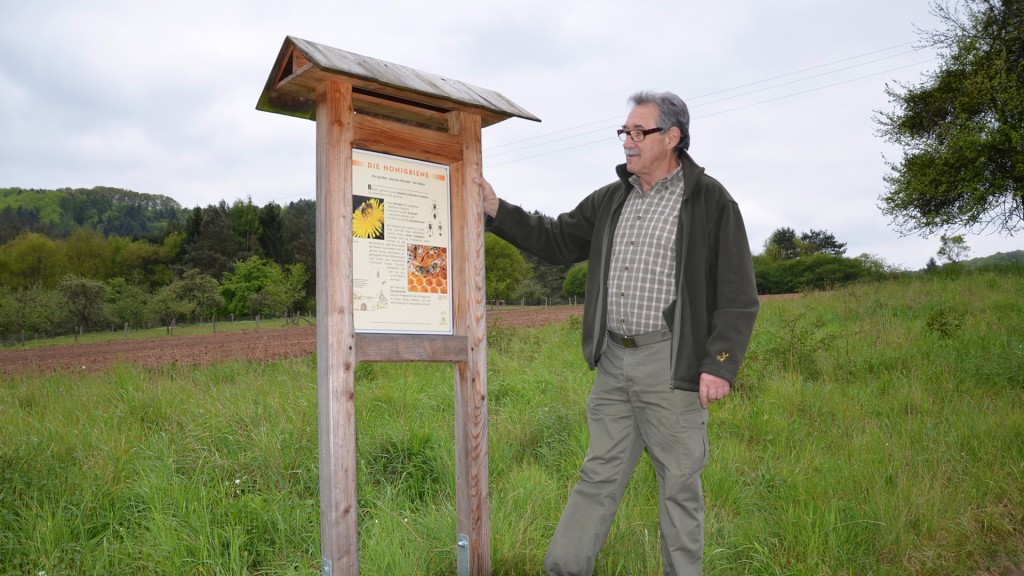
675 178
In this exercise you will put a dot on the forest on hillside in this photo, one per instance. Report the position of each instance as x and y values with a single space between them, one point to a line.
109 211
87 259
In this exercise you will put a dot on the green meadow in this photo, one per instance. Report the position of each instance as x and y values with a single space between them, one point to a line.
877 429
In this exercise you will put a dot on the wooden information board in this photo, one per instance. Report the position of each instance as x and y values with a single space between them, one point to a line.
367 106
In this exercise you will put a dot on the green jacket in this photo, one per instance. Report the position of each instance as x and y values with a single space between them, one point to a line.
713 314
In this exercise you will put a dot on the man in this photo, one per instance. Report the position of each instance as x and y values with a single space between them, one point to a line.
670 306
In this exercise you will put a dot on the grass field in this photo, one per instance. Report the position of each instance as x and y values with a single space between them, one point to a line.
876 429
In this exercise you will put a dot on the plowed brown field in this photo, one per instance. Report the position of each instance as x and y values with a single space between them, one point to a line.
264 345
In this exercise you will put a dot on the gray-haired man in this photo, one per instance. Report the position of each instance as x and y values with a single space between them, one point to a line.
670 306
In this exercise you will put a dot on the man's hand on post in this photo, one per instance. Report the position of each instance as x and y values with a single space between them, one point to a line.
712 389
490 198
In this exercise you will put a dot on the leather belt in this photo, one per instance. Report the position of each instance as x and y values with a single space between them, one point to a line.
639 340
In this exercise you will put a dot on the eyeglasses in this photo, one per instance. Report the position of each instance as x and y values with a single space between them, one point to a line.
637 134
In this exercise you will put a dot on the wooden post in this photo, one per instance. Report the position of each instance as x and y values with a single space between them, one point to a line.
472 494
335 334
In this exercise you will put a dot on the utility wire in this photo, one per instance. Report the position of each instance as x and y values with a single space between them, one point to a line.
604 125
603 140
689 100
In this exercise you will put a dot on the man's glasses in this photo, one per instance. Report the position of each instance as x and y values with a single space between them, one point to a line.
637 134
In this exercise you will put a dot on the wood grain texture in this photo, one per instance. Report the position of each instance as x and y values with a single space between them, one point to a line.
389 137
335 330
411 348
472 491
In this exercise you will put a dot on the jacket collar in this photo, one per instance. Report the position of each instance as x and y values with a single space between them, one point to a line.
691 171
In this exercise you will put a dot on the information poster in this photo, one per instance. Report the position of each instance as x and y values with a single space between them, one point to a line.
401 243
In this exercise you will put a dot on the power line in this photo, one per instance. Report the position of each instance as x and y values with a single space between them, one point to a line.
604 140
722 91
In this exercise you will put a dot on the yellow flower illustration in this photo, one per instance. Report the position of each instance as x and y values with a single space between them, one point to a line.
368 219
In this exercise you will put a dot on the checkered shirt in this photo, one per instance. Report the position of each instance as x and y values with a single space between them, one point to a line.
641 282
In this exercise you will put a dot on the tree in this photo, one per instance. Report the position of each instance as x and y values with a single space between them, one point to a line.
505 268
271 228
820 242
576 281
26 310
962 129
531 291
295 279
782 245
126 303
166 306
257 286
33 259
83 300
87 254
298 231
549 277
215 245
134 260
199 293
244 218
953 248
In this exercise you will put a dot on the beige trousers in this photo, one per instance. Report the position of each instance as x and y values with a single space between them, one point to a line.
632 408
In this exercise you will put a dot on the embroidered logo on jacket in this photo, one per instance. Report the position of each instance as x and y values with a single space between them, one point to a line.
723 356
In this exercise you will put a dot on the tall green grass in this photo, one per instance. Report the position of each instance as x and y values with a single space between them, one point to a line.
874 430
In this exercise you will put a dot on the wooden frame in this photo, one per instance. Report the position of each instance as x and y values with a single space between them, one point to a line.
381 107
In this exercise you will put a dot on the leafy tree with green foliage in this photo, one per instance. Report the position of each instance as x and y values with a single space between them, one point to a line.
200 293
27 310
820 242
505 268
32 259
137 261
15 221
88 254
171 254
126 302
257 286
875 267
295 279
575 284
84 301
962 130
298 231
782 245
953 248
166 306
530 291
244 219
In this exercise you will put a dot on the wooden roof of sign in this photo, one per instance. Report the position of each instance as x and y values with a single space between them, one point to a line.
379 88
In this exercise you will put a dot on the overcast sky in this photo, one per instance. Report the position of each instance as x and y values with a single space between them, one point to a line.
160 97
